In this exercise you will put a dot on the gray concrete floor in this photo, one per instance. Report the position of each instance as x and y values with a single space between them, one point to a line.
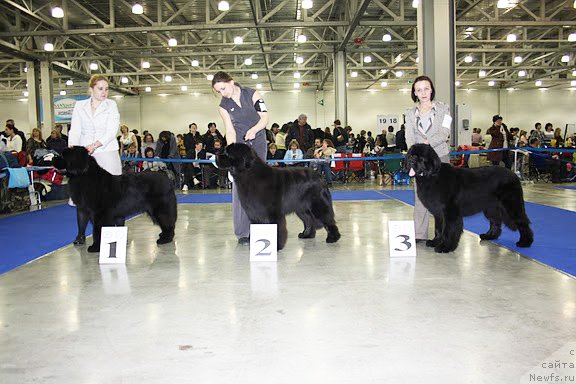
197 310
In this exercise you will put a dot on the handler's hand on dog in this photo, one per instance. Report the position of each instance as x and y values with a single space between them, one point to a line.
250 134
90 148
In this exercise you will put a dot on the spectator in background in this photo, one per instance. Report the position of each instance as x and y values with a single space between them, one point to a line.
192 137
548 134
131 165
281 140
18 132
360 142
126 138
523 139
211 135
537 133
211 175
180 144
391 138
401 139
152 165
370 142
301 131
148 142
35 142
328 134
325 152
341 137
59 128
558 137
310 152
273 154
500 138
56 143
294 153
476 139
166 148
13 141
138 140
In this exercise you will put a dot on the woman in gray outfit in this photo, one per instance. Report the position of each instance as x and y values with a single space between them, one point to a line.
427 122
245 116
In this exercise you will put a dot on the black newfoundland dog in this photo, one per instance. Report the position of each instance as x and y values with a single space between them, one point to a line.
451 193
106 200
268 194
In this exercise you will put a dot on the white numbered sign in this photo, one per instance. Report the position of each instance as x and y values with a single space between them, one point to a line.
384 121
401 238
113 245
263 242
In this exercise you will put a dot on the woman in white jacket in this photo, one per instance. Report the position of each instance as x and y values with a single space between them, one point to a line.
95 122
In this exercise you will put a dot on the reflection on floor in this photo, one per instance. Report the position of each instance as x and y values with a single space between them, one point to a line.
197 311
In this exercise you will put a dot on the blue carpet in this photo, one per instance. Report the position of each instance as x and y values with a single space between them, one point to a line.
33 234
552 245
566 186
222 198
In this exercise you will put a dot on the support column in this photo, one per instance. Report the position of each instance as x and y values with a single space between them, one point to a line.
33 81
437 51
47 98
341 110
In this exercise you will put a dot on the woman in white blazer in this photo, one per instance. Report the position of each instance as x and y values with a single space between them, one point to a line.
428 122
95 123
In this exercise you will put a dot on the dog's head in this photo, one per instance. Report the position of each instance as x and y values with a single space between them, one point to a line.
75 161
237 157
422 160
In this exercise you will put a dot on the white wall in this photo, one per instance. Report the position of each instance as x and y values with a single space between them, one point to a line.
156 113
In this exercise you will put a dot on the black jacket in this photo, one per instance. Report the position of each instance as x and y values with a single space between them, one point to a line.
294 133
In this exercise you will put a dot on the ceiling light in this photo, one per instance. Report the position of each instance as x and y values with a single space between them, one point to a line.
195 63
383 84
25 93
299 60
254 76
137 9
168 78
538 83
502 4
565 58
307 4
574 73
248 61
147 89
124 80
258 86
417 59
184 88
49 47
25 69
353 74
367 59
223 6
457 83
572 83
62 93
399 73
238 40
572 37
517 59
145 64
481 73
347 84
521 73
69 82
93 66
511 38
491 83
415 3
302 39
210 77
172 42
297 75
57 12
296 85
387 37
468 59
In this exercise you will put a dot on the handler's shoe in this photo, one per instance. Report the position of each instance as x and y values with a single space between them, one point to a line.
244 241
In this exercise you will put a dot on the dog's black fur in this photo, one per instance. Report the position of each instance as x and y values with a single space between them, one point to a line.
450 193
106 200
268 194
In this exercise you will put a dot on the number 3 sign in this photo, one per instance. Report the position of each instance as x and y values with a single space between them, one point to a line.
263 242
113 245
401 238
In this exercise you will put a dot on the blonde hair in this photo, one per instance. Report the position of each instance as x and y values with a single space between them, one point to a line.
124 126
58 135
37 130
96 78
294 142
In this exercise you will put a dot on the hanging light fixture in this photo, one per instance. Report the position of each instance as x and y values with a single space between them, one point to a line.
254 76
57 12
297 75
223 6
184 88
238 40
248 61
167 78
69 82
148 89
307 4
195 63
49 47
137 9
124 80
387 37
210 77
145 64
172 42
93 66
302 39
62 93
511 38
368 59
521 73
299 60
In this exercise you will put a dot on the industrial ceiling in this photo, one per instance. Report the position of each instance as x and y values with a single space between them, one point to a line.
506 44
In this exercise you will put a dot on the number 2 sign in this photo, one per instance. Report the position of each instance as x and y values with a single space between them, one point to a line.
263 242
113 245
401 238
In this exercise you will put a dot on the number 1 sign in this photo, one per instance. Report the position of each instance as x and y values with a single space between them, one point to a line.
113 245
401 238
263 242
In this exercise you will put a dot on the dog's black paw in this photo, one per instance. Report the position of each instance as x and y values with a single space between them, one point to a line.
488 236
432 243
523 244
442 249
94 248
333 237
80 240
165 238
304 235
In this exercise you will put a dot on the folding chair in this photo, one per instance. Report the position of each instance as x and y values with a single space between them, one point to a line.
356 167
338 168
